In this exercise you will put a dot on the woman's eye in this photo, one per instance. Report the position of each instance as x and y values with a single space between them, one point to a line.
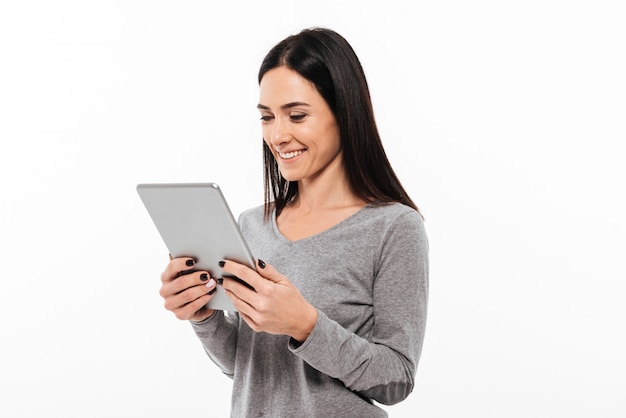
297 117
266 118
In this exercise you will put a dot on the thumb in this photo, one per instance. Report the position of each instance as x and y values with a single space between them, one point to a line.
268 272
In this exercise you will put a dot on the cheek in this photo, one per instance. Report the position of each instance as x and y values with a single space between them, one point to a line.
266 134
333 138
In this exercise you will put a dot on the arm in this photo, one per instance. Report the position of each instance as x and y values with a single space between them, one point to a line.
218 335
186 293
383 366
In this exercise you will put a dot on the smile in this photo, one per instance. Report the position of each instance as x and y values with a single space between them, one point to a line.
289 155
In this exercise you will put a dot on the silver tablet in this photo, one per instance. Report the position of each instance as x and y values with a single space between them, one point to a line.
195 220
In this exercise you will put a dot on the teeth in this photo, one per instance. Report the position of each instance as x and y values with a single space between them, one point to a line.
288 155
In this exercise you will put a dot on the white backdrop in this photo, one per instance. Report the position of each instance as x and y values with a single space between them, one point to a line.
504 120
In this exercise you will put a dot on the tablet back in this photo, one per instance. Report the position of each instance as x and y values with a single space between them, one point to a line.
195 220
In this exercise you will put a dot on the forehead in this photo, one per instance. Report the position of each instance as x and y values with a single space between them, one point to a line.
282 85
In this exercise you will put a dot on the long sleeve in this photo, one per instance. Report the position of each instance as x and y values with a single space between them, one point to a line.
218 335
381 365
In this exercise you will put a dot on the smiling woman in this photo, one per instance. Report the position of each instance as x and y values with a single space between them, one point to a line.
336 318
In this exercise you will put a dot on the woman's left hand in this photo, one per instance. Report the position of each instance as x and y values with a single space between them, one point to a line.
275 306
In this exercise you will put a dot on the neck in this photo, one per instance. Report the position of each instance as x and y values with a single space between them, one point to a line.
329 193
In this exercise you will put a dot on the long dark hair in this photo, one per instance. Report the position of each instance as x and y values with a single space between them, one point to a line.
327 60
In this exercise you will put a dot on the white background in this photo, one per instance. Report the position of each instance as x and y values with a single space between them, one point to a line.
505 121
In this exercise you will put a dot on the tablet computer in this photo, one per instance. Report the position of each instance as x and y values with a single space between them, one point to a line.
194 220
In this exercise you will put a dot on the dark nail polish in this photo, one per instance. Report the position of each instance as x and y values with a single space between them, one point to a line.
213 291
221 263
204 277
220 280
261 263
189 263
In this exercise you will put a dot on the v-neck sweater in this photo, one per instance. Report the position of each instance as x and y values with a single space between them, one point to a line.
367 276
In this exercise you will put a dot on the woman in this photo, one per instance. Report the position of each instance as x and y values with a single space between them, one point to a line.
337 316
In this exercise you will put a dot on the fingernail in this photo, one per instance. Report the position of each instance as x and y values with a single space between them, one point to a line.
204 277
261 263
213 291
221 263
189 263
220 281
210 283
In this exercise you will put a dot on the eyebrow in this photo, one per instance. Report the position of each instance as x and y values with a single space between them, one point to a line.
283 107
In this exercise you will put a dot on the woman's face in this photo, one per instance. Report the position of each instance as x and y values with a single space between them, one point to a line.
298 126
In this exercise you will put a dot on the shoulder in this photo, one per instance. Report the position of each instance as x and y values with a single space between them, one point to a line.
391 208
251 216
394 220
252 212
393 213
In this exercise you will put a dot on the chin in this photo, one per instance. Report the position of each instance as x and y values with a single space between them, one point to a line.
289 176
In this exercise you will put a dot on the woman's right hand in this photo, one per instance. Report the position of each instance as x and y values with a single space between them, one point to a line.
186 291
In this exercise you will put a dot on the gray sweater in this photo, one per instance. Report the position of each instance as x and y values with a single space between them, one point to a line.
368 278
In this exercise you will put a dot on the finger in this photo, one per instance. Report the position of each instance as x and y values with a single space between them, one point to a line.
177 267
194 309
189 280
190 294
249 321
238 291
241 272
254 278
269 272
243 305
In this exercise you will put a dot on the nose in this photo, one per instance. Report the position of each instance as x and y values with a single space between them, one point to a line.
279 132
